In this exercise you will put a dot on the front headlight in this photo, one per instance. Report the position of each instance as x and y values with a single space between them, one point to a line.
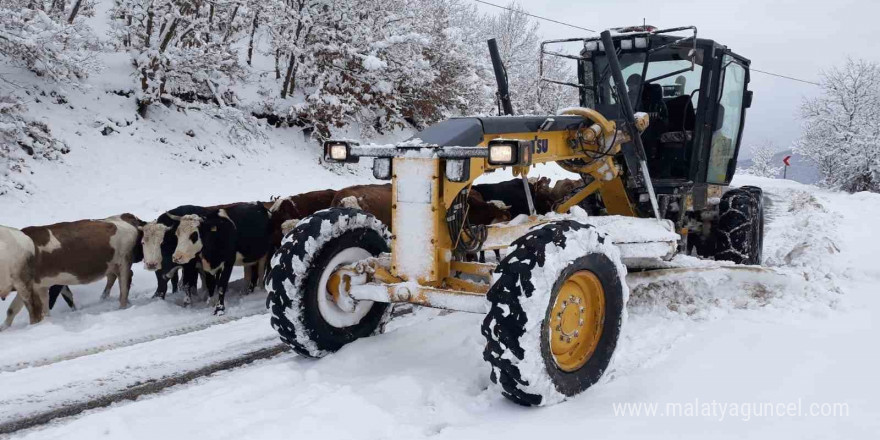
502 154
338 151
515 152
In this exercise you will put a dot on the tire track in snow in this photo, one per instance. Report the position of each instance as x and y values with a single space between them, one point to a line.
125 343
136 391
399 311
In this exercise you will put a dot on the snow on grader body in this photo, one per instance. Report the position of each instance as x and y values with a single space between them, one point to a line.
554 305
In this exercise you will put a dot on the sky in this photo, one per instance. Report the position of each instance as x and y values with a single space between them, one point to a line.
796 38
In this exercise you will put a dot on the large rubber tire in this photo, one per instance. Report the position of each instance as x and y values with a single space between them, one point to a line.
739 234
294 281
526 285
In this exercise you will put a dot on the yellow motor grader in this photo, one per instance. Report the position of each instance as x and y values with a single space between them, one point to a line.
655 142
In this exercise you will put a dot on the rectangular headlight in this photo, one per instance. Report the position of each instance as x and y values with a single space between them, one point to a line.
502 154
510 152
338 151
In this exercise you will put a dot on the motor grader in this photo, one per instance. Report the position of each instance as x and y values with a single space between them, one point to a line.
655 141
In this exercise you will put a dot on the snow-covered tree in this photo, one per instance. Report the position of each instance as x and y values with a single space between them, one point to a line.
842 127
47 38
182 49
378 63
519 45
762 161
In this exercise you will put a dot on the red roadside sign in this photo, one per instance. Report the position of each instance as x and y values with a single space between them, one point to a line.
785 160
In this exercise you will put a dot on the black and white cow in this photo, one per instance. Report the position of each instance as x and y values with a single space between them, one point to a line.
159 241
240 235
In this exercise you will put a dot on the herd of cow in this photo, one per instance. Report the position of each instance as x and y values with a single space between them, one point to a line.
40 262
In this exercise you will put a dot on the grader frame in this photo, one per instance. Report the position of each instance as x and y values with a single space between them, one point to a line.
421 269
425 265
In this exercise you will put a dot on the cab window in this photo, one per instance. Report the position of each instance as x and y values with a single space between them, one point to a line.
728 120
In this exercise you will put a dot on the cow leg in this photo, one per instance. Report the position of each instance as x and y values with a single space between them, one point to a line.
66 294
482 256
41 300
190 282
175 279
111 279
261 272
15 307
162 285
204 277
54 292
125 275
28 298
223 284
497 255
248 279
210 287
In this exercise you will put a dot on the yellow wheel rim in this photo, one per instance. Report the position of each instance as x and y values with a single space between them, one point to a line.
576 320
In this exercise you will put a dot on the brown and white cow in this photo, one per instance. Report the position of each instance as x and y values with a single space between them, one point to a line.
82 252
374 199
17 254
294 208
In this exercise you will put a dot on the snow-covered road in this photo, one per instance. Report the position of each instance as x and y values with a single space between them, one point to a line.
704 341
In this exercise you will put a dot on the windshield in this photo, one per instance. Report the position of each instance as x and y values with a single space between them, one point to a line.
631 64
669 69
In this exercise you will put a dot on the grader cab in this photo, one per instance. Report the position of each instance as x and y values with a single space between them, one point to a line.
554 304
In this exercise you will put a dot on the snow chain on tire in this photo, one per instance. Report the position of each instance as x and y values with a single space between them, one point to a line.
526 284
739 234
296 268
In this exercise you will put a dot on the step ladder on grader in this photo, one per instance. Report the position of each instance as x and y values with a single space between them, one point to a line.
656 152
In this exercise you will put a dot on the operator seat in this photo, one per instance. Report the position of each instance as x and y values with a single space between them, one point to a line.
653 105
676 142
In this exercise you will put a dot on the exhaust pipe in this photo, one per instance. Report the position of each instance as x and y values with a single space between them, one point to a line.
500 78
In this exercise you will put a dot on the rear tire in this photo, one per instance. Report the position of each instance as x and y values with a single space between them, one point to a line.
302 313
530 299
739 234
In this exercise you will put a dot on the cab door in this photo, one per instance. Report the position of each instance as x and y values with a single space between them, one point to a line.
728 118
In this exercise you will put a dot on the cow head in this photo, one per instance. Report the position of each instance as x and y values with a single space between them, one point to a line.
543 197
153 235
498 211
189 240
563 189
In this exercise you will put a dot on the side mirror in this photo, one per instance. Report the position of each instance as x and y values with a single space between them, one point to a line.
747 101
